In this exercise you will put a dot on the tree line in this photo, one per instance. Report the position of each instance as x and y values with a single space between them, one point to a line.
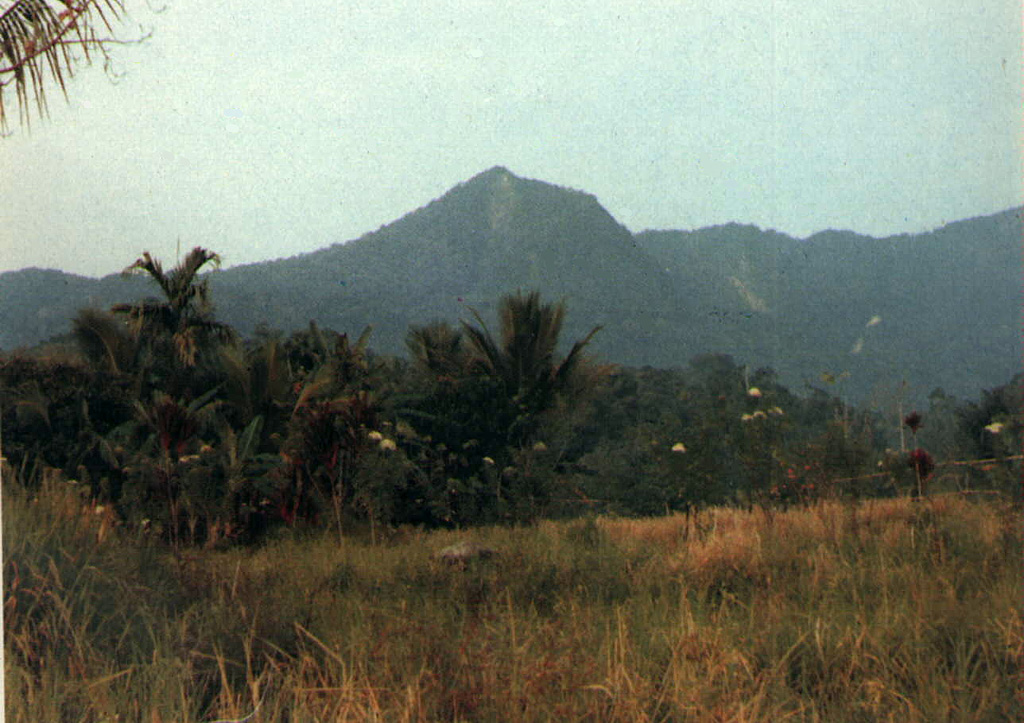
190 432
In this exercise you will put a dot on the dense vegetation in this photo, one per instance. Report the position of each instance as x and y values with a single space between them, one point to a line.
197 524
166 414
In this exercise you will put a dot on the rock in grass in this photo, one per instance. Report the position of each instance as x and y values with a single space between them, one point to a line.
463 552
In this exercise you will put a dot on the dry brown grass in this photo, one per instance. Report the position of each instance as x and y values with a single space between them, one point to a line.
885 610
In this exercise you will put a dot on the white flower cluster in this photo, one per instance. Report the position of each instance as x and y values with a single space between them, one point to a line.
385 444
760 414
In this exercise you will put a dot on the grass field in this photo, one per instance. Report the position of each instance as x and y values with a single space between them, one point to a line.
896 610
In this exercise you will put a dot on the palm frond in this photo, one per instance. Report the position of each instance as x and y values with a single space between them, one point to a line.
272 375
43 41
185 290
146 314
363 341
191 338
319 383
318 339
573 360
486 352
150 266
249 442
104 340
237 378
437 348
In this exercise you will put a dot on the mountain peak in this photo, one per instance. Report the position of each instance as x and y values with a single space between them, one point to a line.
493 172
503 180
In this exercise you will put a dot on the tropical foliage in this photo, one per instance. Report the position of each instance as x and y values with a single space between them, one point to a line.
175 422
43 42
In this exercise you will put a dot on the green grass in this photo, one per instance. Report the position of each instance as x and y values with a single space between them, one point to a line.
887 610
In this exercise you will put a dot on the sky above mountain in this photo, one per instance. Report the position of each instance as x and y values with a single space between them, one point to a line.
264 131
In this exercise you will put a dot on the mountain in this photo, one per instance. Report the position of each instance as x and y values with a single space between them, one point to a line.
938 309
38 304
490 235
934 309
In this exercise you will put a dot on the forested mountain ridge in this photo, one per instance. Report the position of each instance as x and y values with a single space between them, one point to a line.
939 309
934 309
492 234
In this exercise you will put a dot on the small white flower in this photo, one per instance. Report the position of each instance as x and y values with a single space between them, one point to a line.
488 460
754 392
995 427
375 436
746 417
776 411
388 445
679 447
759 415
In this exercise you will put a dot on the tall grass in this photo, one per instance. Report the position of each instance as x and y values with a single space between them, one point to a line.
885 610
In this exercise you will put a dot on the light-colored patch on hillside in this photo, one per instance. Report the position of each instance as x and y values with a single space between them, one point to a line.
503 203
755 302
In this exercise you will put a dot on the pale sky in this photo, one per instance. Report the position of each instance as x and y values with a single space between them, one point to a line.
263 130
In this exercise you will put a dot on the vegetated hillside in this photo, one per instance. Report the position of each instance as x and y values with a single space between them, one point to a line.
948 301
934 309
38 304
493 234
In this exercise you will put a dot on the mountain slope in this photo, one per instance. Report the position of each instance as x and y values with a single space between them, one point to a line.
488 236
934 309
945 304
38 304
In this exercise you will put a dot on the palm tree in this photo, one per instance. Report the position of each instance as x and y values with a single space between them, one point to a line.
185 316
257 381
174 425
438 349
105 341
524 359
45 37
482 403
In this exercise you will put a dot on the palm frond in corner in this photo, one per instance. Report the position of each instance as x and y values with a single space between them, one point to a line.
44 41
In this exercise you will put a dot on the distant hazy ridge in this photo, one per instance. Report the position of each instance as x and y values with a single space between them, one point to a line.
939 309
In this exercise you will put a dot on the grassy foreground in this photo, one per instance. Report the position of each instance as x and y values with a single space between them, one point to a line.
884 610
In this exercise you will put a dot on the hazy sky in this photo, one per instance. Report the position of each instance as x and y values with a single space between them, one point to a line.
266 130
